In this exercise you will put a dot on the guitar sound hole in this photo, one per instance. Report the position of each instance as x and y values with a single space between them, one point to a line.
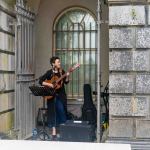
54 82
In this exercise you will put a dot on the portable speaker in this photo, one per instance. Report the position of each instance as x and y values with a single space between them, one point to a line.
77 131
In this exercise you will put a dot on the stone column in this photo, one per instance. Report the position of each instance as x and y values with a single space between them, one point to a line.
129 65
25 103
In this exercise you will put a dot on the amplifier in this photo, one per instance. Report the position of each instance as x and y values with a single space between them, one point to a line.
77 131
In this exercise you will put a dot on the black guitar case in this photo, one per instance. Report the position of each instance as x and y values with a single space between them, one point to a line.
89 112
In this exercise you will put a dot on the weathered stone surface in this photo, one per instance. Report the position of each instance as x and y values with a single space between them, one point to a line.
143 84
149 13
140 106
141 60
122 15
143 128
120 38
143 38
124 108
129 106
120 106
7 82
8 62
7 101
120 61
120 83
129 60
120 128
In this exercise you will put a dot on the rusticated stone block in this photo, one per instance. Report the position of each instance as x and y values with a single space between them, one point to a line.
143 128
129 106
122 15
120 38
143 38
121 128
141 60
120 61
129 61
120 83
7 101
7 82
140 106
120 106
143 84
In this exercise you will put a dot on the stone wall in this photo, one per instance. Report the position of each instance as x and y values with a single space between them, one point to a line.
129 65
7 66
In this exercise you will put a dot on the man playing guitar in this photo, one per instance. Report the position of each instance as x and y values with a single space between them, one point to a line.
56 105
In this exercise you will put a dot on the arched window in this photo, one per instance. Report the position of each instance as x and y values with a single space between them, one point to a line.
75 42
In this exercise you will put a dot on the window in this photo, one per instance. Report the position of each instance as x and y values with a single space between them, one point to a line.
75 42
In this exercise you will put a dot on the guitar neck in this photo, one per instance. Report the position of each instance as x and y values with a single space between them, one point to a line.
62 77
69 71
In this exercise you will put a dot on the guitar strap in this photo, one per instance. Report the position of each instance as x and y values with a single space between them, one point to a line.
60 71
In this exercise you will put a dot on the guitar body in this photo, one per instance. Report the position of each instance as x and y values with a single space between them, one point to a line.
53 81
56 85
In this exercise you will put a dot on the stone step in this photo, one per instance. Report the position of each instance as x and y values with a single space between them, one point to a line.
136 144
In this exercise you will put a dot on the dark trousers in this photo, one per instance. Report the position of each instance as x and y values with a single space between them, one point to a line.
56 112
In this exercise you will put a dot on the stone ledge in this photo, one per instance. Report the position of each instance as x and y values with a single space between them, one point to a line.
136 144
128 1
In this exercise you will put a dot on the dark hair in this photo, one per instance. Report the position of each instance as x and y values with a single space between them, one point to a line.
53 59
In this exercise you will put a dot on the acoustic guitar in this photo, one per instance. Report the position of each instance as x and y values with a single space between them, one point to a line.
57 81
